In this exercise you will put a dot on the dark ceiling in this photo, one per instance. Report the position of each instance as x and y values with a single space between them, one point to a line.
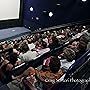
64 11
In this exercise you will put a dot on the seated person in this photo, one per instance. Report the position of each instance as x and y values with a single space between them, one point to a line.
82 46
23 47
53 42
12 58
7 63
50 73
74 46
26 54
41 47
15 48
45 39
5 69
86 38
31 44
67 58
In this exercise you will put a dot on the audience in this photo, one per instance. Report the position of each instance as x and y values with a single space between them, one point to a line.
29 47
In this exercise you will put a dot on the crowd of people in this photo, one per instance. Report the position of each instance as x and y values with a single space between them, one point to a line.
15 52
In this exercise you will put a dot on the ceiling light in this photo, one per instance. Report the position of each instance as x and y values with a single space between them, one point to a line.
13 30
84 0
31 9
58 4
44 11
40 28
29 27
50 14
32 17
37 18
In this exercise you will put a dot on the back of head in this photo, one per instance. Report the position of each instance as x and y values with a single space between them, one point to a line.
85 38
69 54
54 64
44 44
24 48
55 40
83 42
82 45
12 58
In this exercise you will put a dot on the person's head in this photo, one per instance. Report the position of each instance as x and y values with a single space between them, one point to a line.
22 39
69 54
50 41
29 41
4 45
54 64
12 58
43 44
53 39
24 47
84 38
15 46
74 45
82 45
44 35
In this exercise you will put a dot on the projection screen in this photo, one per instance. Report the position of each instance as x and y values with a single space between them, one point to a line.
9 9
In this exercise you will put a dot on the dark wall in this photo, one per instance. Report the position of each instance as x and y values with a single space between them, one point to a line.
13 22
68 11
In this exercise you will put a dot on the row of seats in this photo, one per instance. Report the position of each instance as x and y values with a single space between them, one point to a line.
82 61
38 61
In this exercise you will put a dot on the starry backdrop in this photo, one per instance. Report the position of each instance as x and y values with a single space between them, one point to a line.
64 11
